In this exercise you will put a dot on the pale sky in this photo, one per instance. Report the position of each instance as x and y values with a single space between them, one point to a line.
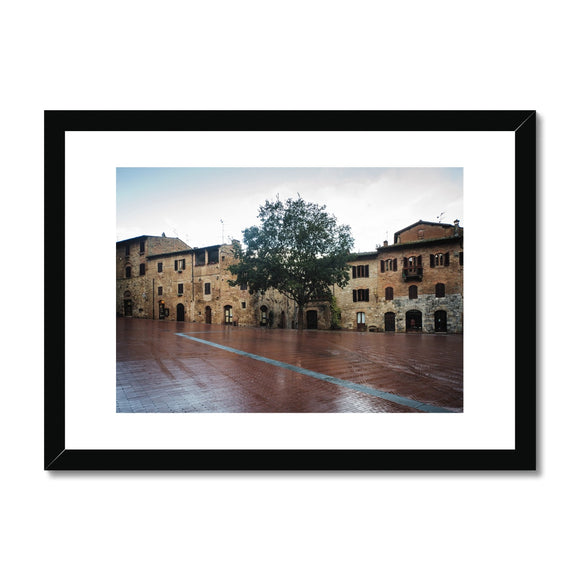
207 206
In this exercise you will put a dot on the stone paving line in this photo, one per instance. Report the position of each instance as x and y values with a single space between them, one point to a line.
340 382
176 367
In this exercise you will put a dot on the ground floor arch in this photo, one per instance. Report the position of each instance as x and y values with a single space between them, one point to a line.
180 312
390 322
208 314
440 321
311 319
414 321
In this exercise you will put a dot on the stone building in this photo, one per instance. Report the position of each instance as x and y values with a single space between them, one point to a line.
414 285
164 278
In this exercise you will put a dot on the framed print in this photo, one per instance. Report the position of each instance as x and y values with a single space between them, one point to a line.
287 290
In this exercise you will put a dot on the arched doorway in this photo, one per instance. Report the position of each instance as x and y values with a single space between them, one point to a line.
263 316
180 312
208 315
414 321
283 320
389 322
440 321
228 314
311 319
361 324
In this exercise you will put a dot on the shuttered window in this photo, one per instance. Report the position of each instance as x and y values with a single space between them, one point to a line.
413 292
360 295
440 290
389 293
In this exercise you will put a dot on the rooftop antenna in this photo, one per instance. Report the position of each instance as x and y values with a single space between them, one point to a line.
440 216
222 222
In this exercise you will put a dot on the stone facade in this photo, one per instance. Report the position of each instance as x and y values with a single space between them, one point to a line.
163 278
416 284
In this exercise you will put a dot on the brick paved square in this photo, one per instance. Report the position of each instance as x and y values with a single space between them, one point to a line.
181 367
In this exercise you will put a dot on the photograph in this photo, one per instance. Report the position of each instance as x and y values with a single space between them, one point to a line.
289 285
289 290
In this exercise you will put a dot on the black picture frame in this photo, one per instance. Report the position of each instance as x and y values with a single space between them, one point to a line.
522 457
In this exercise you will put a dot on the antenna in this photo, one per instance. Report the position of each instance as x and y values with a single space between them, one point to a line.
222 222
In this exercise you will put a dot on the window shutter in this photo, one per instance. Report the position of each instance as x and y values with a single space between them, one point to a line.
447 259
461 258
367 271
354 272
419 262
395 264
432 260
354 295
175 265
367 294
405 262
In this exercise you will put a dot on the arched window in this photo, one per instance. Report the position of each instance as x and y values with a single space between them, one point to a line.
389 293
128 272
413 292
440 290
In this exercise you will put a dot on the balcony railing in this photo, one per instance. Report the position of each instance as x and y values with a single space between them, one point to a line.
412 274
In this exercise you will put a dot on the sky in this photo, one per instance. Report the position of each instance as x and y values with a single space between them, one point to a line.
207 206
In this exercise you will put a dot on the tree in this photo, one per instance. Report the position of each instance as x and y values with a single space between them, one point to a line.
298 249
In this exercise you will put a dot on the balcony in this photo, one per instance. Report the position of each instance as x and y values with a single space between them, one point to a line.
412 274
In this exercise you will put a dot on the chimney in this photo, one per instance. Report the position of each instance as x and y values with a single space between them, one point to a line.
456 224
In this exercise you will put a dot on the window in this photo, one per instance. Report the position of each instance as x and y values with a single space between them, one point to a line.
200 257
160 291
389 293
439 290
128 272
439 259
389 265
141 269
243 305
127 250
360 295
413 292
179 265
142 247
461 258
180 289
207 288
360 271
244 286
213 256
160 266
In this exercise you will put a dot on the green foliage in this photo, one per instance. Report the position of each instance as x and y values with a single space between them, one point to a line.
298 249
334 314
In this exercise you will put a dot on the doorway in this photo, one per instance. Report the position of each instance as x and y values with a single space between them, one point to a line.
180 312
311 319
414 321
440 321
228 315
361 325
283 320
208 315
389 322
128 308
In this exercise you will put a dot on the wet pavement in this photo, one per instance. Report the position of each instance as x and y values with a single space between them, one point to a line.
182 367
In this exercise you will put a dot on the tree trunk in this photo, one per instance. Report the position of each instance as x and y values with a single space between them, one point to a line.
300 317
